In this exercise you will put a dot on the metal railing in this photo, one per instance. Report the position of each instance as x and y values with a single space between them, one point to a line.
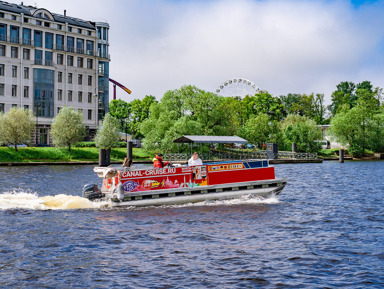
241 155
29 42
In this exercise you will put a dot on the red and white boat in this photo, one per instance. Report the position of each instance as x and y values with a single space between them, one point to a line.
180 185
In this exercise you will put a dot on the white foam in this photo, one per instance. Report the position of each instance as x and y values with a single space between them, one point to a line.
31 201
243 200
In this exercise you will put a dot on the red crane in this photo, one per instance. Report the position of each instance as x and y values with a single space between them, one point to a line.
119 85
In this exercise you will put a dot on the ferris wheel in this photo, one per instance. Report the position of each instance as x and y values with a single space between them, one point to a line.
237 87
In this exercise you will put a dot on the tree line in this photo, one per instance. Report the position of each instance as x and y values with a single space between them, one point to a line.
355 114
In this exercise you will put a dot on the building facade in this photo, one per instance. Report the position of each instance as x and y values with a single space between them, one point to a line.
48 61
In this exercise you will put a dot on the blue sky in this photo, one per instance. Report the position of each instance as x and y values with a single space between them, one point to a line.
283 46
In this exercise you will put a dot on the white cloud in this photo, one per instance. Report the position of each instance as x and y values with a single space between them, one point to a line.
282 46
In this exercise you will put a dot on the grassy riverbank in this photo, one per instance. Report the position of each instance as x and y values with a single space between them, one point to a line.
52 154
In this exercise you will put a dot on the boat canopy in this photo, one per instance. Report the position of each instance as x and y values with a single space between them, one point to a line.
209 139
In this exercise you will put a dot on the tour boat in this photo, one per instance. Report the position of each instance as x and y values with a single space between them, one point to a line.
184 184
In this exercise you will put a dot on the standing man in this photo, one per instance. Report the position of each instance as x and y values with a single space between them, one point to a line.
195 160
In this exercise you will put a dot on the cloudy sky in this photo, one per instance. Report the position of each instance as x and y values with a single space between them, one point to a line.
283 46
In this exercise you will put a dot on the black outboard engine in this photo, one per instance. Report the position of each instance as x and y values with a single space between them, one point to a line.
92 192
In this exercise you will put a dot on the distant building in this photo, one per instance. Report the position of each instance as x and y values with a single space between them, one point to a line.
327 136
48 61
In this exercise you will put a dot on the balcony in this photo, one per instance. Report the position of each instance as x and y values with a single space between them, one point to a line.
58 47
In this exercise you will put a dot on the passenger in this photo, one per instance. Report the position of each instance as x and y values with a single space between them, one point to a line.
158 161
195 160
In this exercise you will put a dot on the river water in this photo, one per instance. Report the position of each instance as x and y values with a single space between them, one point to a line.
325 230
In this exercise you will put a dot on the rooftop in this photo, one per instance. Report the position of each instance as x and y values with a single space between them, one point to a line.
30 11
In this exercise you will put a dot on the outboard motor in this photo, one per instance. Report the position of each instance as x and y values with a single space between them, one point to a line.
92 192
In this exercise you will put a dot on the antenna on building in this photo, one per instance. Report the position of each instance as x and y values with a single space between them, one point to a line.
65 13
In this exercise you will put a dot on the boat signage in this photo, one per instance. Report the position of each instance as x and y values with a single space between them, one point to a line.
147 173
226 167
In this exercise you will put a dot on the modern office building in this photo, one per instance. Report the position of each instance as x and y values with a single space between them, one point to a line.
48 61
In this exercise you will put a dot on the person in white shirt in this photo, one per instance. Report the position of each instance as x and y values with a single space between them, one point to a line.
195 160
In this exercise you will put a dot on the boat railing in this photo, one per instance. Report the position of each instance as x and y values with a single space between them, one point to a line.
240 156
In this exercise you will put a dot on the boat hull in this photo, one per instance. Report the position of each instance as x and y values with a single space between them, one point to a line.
194 195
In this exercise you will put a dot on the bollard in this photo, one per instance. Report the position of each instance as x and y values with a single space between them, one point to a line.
341 156
102 161
294 147
104 157
128 160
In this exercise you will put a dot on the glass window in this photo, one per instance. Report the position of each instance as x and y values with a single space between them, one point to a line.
60 94
69 95
15 34
79 31
38 56
38 22
89 80
70 60
80 96
69 29
69 77
14 52
38 38
14 71
59 42
26 53
89 33
13 17
89 97
2 50
43 91
26 91
59 26
105 33
1 15
89 114
80 45
2 107
80 61
48 58
60 59
99 32
14 90
2 89
27 38
90 47
3 32
80 79
59 76
2 69
26 73
90 63
47 24
26 20
48 40
70 44
26 106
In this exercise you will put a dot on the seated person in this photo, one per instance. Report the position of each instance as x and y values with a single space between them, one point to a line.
158 161
195 160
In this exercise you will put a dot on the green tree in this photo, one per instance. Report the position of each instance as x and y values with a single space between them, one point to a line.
187 110
107 135
345 94
67 128
119 108
139 111
302 131
260 129
349 128
266 103
16 126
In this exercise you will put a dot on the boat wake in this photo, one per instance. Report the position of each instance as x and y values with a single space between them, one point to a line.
244 200
31 201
